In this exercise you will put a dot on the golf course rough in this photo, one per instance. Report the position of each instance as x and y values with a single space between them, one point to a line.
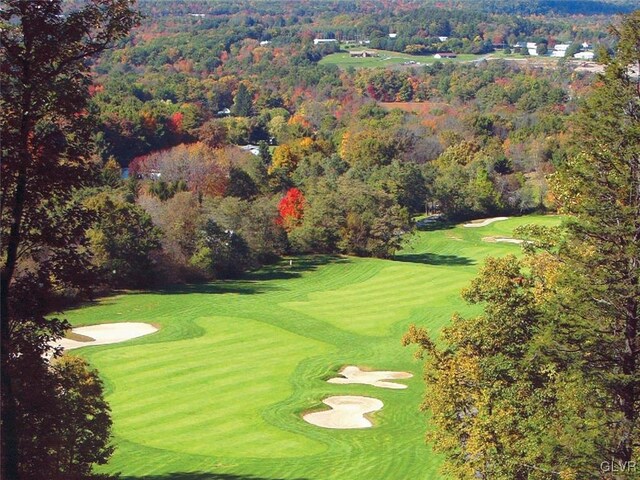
221 388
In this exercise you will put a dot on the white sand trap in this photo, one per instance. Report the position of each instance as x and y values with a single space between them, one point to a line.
503 240
106 334
346 412
353 374
484 222
510 240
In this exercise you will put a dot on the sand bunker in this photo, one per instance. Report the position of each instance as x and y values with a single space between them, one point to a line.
351 374
510 240
503 240
346 412
106 334
484 222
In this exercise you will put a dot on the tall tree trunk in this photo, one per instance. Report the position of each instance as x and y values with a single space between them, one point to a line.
9 430
628 394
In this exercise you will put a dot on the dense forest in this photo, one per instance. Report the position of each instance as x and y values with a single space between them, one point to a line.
174 142
466 139
548 7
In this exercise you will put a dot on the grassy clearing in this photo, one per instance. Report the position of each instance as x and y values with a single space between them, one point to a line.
221 387
388 58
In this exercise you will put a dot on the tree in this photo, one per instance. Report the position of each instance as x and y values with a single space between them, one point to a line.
241 184
242 102
387 231
545 384
483 384
284 160
111 173
600 301
542 49
264 153
83 418
60 404
291 209
46 145
256 222
572 50
220 253
213 134
121 239
321 224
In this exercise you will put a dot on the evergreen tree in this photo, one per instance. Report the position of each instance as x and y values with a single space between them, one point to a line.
242 102
599 294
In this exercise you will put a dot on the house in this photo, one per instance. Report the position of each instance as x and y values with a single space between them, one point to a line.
560 50
443 39
584 55
532 47
362 54
318 41
264 42
253 149
393 35
445 55
224 111
586 46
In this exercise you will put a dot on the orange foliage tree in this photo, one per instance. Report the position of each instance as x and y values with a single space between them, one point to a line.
291 209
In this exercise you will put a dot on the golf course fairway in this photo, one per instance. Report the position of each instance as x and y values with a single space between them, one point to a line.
219 391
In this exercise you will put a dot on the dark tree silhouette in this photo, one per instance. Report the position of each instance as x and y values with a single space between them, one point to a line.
46 134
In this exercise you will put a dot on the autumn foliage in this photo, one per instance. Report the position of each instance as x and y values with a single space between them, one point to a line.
291 209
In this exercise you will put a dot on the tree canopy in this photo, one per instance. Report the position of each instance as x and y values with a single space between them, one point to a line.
46 149
545 383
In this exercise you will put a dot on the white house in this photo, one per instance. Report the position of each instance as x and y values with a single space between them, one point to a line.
444 55
533 49
224 111
393 35
584 55
560 50
253 149
443 39
264 42
318 41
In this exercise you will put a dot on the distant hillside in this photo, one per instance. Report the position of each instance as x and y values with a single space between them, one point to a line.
561 7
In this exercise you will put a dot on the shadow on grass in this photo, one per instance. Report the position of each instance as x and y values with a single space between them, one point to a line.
299 265
435 226
434 259
255 282
250 283
200 476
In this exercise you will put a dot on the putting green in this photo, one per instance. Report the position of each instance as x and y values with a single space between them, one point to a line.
219 391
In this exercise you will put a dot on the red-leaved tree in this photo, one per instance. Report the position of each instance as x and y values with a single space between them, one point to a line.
291 209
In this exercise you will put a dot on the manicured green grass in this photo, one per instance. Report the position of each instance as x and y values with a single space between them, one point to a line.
218 392
387 58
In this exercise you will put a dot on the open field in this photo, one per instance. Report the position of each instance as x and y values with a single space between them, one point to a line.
387 58
221 387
